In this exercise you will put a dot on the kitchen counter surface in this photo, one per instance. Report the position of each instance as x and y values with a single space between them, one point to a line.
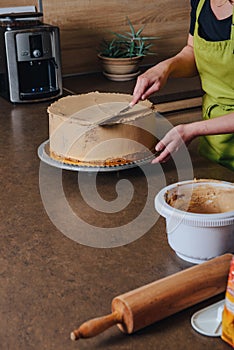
54 270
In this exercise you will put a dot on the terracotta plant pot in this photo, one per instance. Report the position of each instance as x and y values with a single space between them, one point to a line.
120 69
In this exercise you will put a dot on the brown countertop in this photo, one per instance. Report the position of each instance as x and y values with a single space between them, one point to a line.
49 283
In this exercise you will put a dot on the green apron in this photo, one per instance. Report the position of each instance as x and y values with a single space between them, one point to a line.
215 64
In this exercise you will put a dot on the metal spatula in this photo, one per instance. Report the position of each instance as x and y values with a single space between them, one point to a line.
114 118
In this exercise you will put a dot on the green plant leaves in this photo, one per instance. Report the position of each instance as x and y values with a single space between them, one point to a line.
128 44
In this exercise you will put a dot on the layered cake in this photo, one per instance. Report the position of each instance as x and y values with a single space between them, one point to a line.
76 137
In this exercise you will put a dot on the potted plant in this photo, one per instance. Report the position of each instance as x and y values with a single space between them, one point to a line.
121 56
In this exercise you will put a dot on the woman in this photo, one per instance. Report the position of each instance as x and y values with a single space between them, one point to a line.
210 53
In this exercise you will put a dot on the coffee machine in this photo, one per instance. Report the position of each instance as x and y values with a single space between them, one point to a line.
30 64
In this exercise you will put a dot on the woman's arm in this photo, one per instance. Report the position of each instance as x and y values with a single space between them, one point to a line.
181 65
185 133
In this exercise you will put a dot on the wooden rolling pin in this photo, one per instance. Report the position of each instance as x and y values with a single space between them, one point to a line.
150 303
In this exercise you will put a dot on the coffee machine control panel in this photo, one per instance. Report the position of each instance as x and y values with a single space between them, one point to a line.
33 46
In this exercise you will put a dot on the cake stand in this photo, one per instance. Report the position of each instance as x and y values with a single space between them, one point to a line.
45 157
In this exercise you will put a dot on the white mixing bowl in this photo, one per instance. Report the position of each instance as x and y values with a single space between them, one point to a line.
199 218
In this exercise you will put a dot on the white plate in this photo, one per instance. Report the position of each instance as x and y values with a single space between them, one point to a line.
44 156
208 321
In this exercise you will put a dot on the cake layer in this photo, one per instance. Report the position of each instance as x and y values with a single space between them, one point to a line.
75 135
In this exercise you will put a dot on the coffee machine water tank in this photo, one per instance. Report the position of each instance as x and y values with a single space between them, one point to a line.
31 68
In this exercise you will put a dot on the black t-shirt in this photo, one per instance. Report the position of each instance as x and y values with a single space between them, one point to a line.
210 28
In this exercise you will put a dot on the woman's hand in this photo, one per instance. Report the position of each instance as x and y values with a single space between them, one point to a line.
172 142
150 81
183 134
180 65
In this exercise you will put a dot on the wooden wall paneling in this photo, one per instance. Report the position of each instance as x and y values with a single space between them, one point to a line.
83 24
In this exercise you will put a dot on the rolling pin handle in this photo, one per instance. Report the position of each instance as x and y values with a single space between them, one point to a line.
96 326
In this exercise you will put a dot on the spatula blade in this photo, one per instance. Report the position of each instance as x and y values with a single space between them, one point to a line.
114 118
